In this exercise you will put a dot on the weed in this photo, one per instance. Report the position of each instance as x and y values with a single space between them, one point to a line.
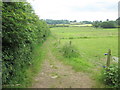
69 51
111 76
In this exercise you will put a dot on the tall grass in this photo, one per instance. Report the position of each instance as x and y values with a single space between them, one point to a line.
69 51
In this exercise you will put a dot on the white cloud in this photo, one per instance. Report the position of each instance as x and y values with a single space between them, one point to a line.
76 9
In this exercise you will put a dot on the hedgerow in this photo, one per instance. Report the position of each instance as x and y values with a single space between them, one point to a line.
21 30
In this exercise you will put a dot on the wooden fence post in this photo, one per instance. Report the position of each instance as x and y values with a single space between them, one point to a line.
108 58
70 42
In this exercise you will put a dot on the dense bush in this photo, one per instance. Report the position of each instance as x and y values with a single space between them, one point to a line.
105 24
21 29
108 24
111 76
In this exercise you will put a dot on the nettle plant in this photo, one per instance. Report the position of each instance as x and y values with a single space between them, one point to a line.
111 76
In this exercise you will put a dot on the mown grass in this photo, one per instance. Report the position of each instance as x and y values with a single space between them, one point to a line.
91 43
66 32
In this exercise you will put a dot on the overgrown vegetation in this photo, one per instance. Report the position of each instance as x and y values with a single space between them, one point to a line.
111 76
69 51
70 55
22 30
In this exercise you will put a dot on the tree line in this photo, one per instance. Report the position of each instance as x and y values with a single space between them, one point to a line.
21 30
50 21
102 24
106 24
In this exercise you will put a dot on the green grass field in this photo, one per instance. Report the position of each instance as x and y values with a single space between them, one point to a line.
89 40
91 44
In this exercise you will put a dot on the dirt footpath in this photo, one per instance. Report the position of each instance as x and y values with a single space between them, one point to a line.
55 74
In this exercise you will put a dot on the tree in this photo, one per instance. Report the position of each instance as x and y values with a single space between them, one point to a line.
107 20
96 24
75 21
108 24
118 21
105 24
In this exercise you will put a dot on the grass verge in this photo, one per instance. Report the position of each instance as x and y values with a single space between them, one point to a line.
29 74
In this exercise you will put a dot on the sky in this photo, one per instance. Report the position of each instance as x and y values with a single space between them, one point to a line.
80 10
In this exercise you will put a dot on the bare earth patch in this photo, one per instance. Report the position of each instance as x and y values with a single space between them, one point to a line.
55 74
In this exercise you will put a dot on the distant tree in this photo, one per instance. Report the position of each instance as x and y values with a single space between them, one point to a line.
108 24
96 24
107 20
118 21
86 22
105 24
75 21
50 21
